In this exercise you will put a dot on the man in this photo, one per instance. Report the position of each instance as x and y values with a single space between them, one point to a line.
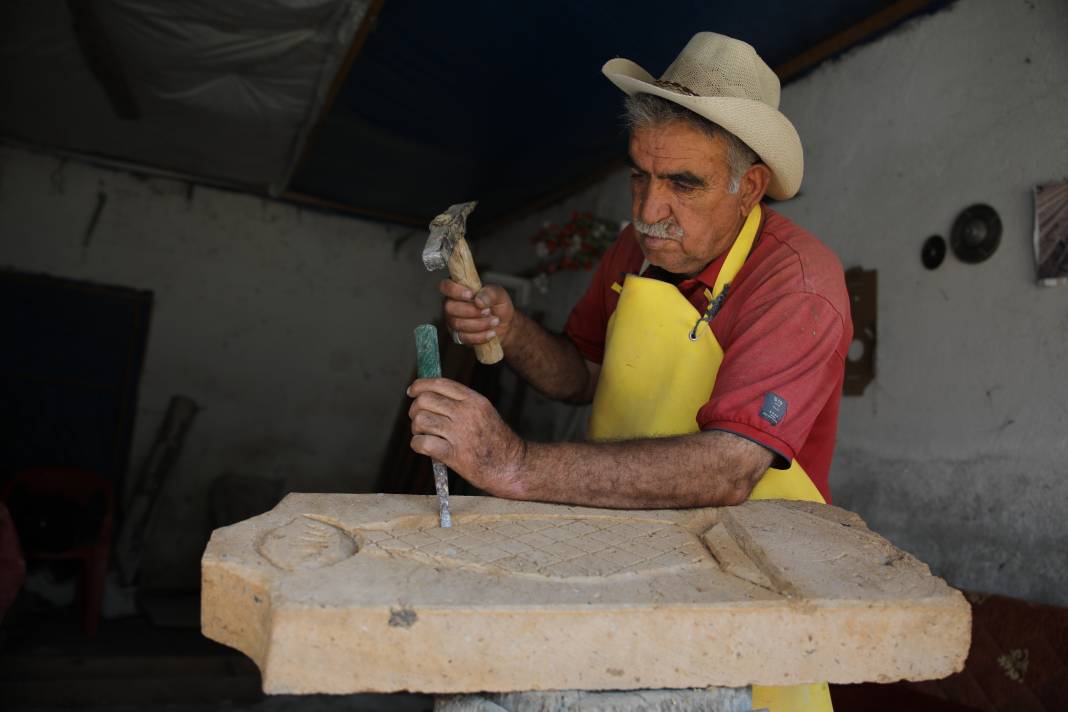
711 340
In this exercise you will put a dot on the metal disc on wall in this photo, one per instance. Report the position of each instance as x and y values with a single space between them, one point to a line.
934 251
976 234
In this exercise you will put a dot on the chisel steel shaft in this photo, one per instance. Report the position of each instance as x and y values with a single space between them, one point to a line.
428 363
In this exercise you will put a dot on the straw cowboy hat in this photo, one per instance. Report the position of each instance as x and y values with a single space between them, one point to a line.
725 81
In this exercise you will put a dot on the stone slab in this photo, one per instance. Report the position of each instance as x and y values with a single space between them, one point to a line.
365 593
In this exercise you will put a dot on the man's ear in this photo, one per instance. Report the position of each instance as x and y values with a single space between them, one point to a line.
753 185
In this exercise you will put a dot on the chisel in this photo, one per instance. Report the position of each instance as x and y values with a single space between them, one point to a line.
429 366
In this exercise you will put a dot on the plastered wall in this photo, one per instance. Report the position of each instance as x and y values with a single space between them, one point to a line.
291 328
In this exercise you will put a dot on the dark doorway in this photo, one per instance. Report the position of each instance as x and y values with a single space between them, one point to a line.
70 365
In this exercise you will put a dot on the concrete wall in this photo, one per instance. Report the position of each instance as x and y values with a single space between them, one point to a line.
958 451
291 328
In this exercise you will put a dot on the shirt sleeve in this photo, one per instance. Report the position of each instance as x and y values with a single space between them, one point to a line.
588 322
778 373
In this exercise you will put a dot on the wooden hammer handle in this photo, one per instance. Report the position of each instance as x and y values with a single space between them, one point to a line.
462 270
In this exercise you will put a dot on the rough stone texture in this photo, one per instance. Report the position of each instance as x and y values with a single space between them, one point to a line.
364 593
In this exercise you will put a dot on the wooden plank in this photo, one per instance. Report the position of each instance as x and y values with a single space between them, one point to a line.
837 43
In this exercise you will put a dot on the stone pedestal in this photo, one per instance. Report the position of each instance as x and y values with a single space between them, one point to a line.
715 699
365 593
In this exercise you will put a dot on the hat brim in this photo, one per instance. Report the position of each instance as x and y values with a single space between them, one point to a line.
762 128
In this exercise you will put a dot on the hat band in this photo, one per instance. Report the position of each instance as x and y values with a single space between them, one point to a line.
675 87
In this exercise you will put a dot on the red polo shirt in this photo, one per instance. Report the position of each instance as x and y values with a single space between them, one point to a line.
785 330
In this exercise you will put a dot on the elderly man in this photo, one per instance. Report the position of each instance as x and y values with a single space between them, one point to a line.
712 337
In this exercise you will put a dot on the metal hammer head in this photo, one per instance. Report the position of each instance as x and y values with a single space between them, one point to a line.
445 230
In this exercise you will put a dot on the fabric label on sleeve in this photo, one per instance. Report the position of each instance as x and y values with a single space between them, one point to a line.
774 408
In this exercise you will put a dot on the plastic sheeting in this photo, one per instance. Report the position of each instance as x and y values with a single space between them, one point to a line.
226 91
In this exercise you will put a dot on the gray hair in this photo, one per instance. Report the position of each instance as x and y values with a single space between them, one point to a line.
643 111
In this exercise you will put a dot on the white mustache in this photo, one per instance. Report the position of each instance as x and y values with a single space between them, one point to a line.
665 229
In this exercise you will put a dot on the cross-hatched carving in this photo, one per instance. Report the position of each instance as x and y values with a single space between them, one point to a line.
556 547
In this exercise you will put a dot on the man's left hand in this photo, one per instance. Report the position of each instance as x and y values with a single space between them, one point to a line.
460 427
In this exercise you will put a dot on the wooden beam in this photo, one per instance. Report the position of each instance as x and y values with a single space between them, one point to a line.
558 195
837 43
358 40
348 209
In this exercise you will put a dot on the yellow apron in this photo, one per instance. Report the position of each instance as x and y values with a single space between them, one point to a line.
660 365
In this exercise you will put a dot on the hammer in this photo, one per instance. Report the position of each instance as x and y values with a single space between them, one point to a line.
446 246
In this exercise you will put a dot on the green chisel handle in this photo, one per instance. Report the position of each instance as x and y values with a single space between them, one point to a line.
428 364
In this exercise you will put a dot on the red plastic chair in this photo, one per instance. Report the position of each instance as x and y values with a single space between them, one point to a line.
12 563
80 488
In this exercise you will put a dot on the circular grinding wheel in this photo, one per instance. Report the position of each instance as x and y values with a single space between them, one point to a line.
976 234
934 251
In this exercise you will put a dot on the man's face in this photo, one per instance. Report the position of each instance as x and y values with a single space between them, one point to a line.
678 184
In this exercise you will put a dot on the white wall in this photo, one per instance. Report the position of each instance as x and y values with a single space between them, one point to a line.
958 451
291 328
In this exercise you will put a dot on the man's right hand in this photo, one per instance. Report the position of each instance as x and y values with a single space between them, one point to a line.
477 318
549 362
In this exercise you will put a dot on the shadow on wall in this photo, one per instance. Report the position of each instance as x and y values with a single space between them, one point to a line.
233 498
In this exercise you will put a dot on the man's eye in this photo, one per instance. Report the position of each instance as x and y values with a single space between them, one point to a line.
636 175
683 187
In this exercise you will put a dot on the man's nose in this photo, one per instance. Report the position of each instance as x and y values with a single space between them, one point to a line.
653 204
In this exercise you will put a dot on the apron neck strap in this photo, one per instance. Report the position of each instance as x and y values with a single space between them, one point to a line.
739 251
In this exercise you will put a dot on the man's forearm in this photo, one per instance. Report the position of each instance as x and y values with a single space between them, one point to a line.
703 469
547 361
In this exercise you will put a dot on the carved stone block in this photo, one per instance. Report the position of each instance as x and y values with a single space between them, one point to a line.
365 593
